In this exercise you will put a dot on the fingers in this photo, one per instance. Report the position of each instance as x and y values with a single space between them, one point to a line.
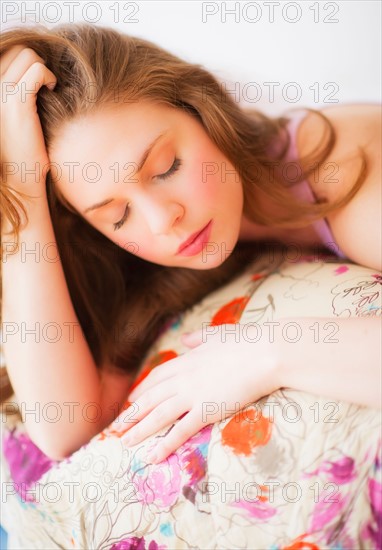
180 433
25 66
158 418
126 419
18 62
168 369
143 405
193 339
158 374
8 57
34 78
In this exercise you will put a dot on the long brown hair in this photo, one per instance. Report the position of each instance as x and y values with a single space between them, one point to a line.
92 64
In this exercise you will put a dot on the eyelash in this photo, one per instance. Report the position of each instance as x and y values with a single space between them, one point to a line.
175 166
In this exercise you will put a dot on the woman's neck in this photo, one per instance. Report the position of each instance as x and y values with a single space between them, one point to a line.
250 231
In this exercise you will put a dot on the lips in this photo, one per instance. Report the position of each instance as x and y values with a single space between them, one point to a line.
188 241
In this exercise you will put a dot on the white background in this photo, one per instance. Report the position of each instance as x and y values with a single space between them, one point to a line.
334 47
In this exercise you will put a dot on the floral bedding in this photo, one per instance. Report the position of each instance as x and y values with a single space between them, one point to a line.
291 471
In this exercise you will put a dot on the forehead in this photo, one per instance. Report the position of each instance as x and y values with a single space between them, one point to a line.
131 121
96 137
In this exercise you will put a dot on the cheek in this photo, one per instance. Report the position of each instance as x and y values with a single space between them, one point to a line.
138 244
204 180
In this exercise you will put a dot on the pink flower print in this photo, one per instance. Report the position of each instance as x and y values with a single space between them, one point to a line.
27 463
373 529
256 509
136 543
162 483
328 509
340 471
193 455
341 269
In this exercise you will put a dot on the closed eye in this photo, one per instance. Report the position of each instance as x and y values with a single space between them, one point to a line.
175 166
119 224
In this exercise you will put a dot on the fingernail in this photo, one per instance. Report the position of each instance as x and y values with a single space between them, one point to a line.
128 440
51 85
153 457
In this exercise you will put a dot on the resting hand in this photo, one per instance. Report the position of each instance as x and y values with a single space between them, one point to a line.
222 373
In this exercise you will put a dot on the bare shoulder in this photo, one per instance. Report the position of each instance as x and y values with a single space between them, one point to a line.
355 125
356 225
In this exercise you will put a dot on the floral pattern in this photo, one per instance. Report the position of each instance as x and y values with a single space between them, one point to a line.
293 471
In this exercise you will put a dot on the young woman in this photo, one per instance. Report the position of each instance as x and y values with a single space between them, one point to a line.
121 162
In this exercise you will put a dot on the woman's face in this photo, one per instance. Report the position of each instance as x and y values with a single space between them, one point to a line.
152 208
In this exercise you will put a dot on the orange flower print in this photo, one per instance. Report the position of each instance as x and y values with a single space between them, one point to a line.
246 430
300 544
257 276
230 313
153 362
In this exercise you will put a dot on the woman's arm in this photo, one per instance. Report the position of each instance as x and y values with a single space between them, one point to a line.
231 366
339 358
64 400
48 360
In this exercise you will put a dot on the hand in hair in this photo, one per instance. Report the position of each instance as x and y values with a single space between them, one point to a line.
23 73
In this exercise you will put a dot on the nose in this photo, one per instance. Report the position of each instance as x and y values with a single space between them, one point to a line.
161 215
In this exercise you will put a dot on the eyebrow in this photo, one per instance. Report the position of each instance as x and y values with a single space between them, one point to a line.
140 166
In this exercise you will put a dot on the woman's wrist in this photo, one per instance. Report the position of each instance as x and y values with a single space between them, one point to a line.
263 352
282 334
277 364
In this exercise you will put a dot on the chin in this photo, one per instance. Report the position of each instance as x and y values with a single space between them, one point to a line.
218 253
210 259
204 266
